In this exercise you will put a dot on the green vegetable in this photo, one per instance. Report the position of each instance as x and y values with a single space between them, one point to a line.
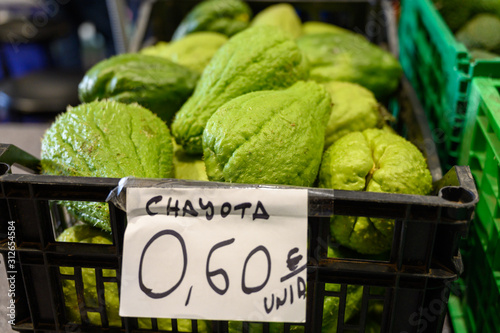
482 54
354 108
227 17
486 6
315 27
106 139
259 58
156 83
193 51
374 160
268 137
281 15
87 234
481 32
351 57
188 166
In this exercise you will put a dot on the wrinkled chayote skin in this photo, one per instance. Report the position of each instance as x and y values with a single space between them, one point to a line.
188 166
268 137
88 234
193 51
481 32
315 27
282 15
374 160
156 83
351 57
106 139
227 17
354 108
258 58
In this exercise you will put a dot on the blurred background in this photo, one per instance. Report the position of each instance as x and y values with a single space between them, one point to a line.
45 47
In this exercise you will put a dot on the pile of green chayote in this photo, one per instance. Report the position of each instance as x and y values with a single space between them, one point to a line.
262 100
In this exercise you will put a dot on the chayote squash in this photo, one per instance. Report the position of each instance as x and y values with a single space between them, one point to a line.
481 32
281 15
268 137
106 139
193 51
455 12
259 58
315 27
188 166
351 57
373 160
227 17
354 108
156 83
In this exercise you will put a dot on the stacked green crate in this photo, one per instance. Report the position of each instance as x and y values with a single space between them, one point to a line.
440 69
478 309
481 151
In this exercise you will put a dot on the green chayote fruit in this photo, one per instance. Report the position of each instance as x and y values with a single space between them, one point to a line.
193 51
227 17
106 139
156 83
268 137
351 57
477 54
354 108
455 12
481 32
188 166
315 27
88 234
486 6
258 58
281 15
374 160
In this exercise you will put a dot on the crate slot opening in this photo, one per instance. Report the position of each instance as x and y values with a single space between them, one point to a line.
456 194
4 168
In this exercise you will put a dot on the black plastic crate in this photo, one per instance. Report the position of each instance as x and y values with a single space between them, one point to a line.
412 284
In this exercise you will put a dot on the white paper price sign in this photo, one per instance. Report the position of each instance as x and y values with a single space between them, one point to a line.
221 254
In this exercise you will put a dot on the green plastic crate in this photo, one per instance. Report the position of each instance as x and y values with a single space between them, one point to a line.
474 305
481 151
477 307
440 69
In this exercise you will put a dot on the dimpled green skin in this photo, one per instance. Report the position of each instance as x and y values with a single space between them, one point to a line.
227 17
281 15
188 166
88 234
314 27
351 57
378 161
156 83
481 32
259 58
355 108
193 51
268 137
106 139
